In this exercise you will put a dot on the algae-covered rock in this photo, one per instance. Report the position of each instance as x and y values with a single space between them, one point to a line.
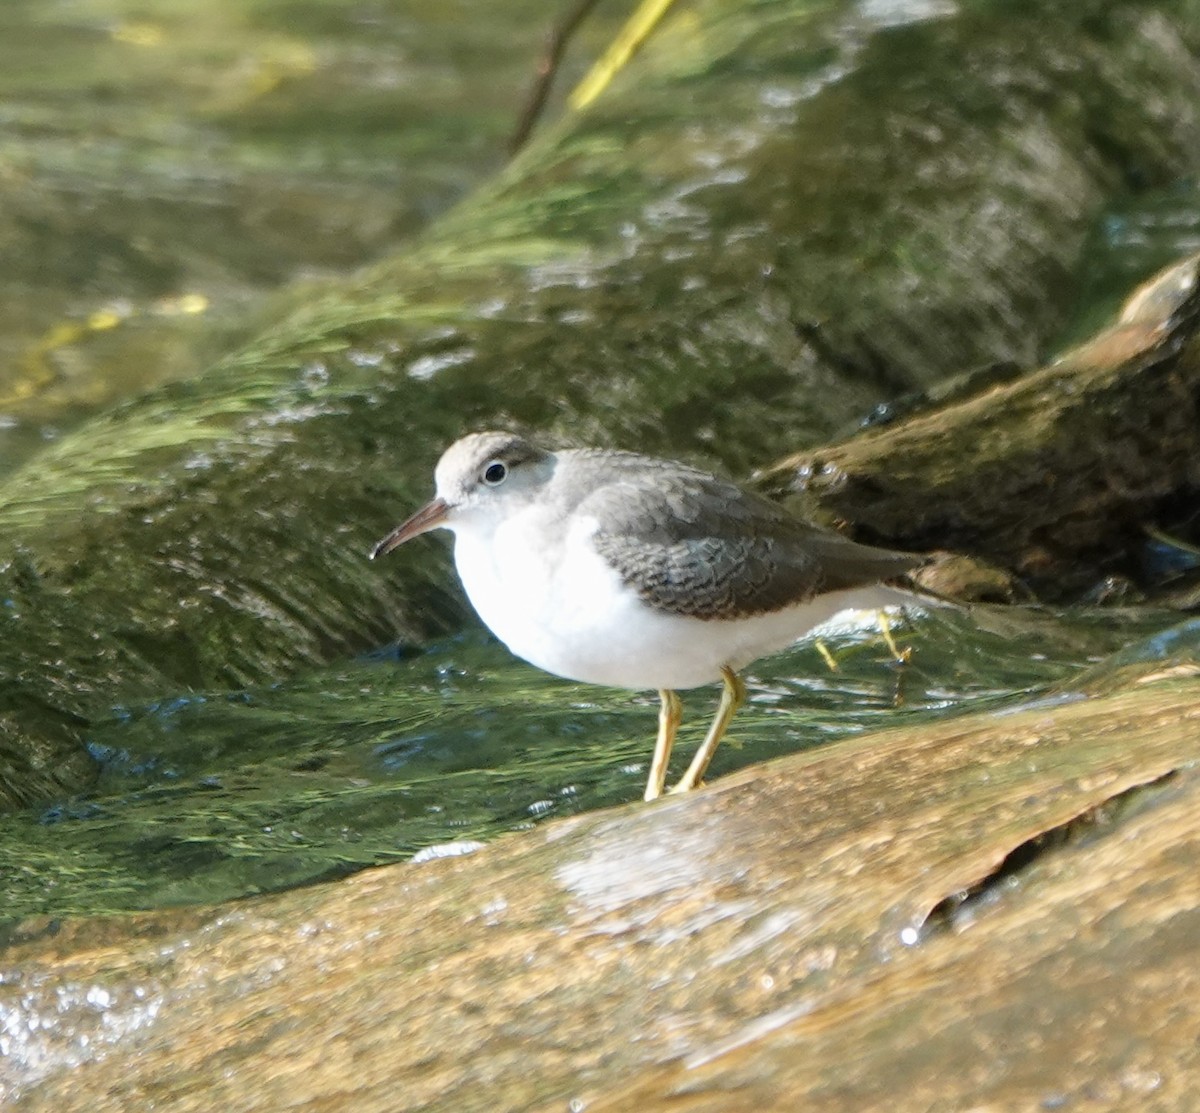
776 216
1057 475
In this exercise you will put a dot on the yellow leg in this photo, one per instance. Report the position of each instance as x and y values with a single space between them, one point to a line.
669 716
732 697
823 650
901 655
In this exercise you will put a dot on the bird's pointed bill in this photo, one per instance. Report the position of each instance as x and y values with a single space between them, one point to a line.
428 517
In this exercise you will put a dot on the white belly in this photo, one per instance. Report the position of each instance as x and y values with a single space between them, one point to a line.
564 609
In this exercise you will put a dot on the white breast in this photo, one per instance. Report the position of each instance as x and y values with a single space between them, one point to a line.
554 602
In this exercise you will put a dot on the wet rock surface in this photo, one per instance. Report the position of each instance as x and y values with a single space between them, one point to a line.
1003 906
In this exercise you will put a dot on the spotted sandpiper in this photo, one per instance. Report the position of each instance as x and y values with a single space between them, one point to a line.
630 571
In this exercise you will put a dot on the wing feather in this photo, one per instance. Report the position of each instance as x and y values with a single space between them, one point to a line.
691 543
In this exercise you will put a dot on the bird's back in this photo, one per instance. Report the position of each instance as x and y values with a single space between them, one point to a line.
691 543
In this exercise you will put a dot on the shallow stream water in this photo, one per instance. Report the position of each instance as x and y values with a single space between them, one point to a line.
209 795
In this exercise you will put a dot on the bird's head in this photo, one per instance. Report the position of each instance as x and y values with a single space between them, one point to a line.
480 479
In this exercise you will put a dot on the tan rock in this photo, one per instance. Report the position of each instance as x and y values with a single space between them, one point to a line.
997 912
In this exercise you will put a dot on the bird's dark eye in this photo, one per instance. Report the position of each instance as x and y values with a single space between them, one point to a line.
495 473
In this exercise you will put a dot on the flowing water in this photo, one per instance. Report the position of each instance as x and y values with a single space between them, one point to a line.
209 796
338 144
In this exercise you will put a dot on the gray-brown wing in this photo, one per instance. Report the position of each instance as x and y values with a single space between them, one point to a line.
690 543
